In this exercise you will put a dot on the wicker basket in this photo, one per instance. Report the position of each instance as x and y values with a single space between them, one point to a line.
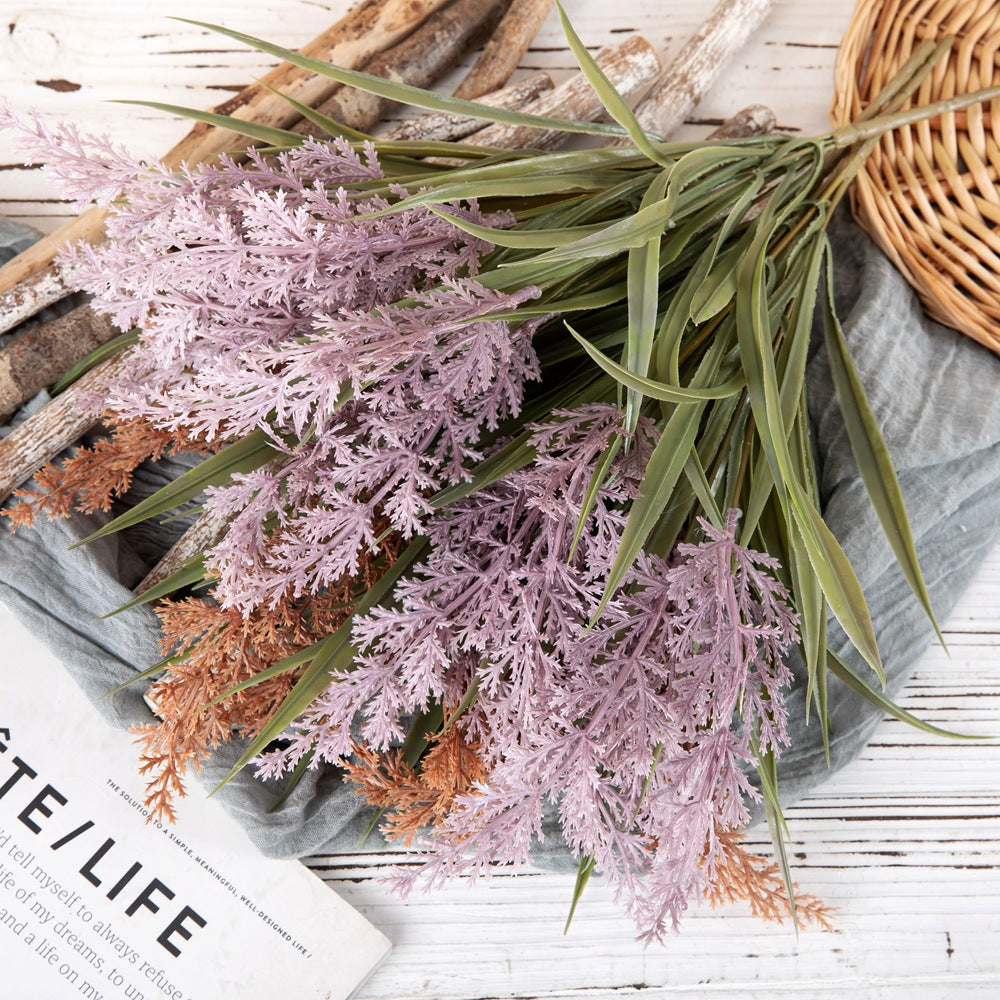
929 192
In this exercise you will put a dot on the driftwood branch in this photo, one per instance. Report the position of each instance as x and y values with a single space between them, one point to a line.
433 49
631 67
203 534
371 27
34 293
39 355
54 428
754 119
442 127
502 53
688 78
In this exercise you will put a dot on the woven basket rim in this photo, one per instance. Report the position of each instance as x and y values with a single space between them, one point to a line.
929 194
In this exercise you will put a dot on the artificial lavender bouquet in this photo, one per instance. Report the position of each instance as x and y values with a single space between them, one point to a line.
509 461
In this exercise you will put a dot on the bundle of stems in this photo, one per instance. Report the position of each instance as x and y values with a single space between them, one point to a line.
672 285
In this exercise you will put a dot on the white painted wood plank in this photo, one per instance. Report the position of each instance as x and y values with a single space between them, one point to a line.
905 841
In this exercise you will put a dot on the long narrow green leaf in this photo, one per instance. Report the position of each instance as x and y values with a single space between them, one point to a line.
870 451
596 481
843 672
277 137
405 94
519 239
325 122
643 303
613 102
247 455
113 347
299 659
695 473
653 388
188 575
665 467
777 826
141 675
832 568
291 782
583 872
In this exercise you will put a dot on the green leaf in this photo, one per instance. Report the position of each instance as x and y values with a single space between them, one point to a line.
583 873
702 488
418 738
292 662
468 699
643 303
405 94
665 467
247 455
870 451
518 239
843 672
277 137
298 773
767 769
613 102
653 388
832 567
596 481
189 574
141 675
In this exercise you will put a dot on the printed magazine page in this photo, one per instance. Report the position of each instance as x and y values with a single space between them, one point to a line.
97 903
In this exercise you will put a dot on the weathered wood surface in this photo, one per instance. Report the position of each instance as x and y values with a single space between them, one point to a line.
691 74
905 840
54 428
631 66
418 60
504 50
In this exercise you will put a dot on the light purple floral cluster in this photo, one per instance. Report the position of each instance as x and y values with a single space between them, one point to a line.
276 294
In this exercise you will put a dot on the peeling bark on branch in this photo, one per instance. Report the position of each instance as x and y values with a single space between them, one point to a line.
502 53
688 78
43 352
631 67
371 27
427 54
62 422
441 127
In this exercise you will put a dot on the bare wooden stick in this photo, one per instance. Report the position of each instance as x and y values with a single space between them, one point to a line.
39 355
502 53
440 127
688 78
418 60
206 530
631 67
55 427
754 119
371 27
32 295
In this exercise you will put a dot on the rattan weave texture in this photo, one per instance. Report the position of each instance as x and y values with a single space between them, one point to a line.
929 193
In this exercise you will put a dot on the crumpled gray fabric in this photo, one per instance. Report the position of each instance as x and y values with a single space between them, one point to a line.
935 395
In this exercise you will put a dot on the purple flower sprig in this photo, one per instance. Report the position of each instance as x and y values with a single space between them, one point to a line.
635 732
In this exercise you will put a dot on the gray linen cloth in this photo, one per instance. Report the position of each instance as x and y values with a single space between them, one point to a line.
935 395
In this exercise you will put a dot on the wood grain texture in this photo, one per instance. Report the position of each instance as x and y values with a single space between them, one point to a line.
61 423
630 66
905 840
